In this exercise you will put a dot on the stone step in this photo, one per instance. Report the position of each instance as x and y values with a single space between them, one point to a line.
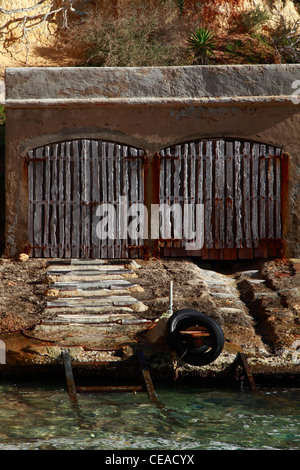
83 309
88 272
223 295
96 319
236 311
92 301
87 335
93 293
85 285
95 278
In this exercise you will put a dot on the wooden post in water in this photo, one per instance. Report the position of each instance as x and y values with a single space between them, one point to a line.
248 372
146 374
69 376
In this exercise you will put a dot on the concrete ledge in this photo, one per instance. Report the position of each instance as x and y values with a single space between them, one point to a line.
161 102
150 84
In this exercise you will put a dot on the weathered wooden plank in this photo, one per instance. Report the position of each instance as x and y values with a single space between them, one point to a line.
192 188
208 235
270 187
95 195
229 196
134 237
125 193
141 197
76 206
68 201
177 200
47 185
186 217
238 195
38 198
168 176
104 192
219 194
168 196
262 193
110 194
166 227
61 200
199 172
278 195
117 186
255 194
85 221
162 195
54 198
246 194
30 200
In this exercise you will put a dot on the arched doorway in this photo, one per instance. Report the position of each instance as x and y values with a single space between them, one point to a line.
239 184
74 186
67 184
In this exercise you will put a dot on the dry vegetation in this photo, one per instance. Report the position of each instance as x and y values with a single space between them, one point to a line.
155 34
140 34
152 33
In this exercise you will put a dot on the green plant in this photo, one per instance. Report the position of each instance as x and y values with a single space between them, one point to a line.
286 41
202 43
180 5
251 20
2 115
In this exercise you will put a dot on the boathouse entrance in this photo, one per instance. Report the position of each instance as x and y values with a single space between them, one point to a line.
75 186
86 143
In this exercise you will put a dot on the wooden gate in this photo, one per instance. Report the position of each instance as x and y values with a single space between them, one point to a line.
67 183
239 185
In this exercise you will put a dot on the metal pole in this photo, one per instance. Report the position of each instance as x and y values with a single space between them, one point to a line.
171 298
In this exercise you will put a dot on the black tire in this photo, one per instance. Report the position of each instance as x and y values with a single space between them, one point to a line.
185 348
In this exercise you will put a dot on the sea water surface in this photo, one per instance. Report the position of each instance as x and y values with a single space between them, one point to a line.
39 417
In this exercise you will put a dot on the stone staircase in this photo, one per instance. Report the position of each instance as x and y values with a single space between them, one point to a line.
91 306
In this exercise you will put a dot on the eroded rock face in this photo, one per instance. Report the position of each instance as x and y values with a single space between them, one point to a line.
219 14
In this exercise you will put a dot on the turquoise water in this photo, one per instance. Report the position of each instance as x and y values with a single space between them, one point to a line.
34 417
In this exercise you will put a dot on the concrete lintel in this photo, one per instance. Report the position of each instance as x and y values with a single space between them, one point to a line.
223 82
157 102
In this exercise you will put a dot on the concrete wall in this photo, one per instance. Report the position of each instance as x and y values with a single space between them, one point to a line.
149 108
